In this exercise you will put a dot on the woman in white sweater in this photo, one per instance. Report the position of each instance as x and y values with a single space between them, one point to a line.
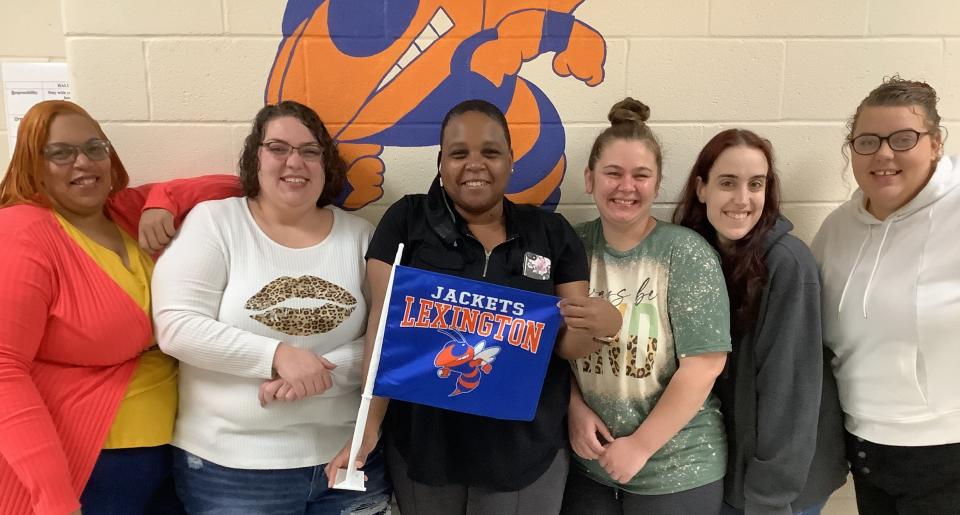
262 299
891 305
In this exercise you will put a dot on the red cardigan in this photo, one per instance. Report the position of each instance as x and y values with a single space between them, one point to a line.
69 342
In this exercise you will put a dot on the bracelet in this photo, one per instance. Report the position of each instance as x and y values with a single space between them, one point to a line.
606 340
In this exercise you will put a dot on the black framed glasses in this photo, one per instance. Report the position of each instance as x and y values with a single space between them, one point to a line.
899 141
65 153
312 152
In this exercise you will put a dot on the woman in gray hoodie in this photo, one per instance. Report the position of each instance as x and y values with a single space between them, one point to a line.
779 402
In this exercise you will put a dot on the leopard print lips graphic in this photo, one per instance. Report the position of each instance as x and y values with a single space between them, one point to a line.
302 321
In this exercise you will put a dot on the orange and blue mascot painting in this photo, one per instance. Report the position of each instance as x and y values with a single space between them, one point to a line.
384 72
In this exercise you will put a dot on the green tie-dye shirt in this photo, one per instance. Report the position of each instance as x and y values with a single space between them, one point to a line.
671 293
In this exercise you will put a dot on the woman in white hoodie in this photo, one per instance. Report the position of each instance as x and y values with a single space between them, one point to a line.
891 304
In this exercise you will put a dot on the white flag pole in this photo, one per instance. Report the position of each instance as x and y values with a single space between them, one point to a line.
351 478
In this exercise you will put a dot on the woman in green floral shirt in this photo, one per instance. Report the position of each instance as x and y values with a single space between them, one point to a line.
646 429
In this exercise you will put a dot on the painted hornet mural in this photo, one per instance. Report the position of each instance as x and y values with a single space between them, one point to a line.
468 363
384 72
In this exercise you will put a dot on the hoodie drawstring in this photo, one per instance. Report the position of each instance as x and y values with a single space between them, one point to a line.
853 269
876 264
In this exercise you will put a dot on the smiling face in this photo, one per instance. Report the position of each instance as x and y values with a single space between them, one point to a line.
288 182
79 188
734 193
624 182
475 162
889 179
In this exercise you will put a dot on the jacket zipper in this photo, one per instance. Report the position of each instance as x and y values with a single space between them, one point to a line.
486 255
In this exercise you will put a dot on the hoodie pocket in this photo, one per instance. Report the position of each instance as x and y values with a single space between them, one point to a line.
938 332
938 373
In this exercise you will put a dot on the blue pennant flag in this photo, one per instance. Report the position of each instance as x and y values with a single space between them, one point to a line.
466 345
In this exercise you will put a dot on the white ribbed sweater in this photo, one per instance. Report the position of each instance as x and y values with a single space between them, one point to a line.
202 288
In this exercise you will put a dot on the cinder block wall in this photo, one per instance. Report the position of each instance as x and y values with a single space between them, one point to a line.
29 32
176 82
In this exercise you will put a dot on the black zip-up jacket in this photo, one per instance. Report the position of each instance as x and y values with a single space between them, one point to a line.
444 447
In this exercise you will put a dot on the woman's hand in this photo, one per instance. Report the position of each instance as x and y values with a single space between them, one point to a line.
594 314
268 391
303 374
156 229
370 439
584 426
680 402
624 457
280 389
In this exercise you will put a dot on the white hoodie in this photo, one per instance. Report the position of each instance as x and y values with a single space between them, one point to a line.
891 313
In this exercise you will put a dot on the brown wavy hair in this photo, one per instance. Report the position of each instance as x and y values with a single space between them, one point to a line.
898 92
23 183
334 167
744 267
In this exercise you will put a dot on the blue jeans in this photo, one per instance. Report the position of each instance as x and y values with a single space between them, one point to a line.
131 482
812 510
210 489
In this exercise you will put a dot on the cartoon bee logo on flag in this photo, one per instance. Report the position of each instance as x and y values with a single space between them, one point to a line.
467 362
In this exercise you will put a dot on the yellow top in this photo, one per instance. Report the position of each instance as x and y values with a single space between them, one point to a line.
147 412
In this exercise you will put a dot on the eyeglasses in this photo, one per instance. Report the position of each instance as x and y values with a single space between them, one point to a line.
65 153
899 141
312 152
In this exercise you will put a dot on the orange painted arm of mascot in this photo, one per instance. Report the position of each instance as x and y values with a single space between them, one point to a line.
524 35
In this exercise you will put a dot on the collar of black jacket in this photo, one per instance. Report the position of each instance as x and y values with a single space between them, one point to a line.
447 222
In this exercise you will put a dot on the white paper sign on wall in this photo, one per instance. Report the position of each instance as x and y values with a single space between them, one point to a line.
25 84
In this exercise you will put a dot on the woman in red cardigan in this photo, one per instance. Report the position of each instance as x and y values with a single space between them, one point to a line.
87 402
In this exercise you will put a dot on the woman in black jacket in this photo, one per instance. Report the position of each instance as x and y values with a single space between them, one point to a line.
779 397
445 462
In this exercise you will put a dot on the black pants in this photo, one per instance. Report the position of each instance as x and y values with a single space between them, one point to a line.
542 497
584 496
895 480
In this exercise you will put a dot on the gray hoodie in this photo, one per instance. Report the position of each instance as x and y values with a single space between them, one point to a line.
779 398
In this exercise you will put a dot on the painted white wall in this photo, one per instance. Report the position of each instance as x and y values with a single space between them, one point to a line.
29 32
175 82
